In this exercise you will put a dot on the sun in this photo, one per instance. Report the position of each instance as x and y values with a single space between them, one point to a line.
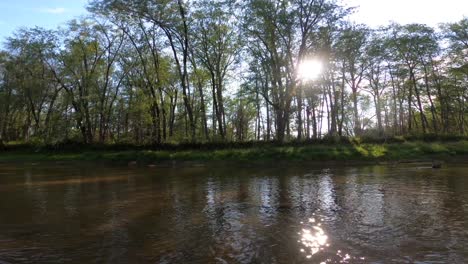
309 70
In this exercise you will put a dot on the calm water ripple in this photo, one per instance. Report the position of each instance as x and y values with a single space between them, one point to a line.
85 213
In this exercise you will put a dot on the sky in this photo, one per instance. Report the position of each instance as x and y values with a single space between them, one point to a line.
431 12
15 14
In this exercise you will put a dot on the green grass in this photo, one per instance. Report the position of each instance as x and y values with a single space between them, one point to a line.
309 152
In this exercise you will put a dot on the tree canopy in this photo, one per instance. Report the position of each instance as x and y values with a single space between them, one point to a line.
164 71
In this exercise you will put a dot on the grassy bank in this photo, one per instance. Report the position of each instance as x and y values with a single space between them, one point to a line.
404 151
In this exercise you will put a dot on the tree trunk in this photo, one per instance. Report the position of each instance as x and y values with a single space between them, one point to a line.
299 113
418 100
357 123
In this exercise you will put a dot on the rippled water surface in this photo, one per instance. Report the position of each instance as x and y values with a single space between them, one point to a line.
84 213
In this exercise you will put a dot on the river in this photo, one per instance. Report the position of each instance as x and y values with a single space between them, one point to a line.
101 213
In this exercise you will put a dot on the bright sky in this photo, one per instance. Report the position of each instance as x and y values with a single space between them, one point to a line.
51 13
431 12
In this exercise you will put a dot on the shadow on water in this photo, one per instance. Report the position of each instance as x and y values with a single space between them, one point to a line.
75 213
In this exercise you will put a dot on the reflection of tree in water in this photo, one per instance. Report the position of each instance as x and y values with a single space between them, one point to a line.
239 215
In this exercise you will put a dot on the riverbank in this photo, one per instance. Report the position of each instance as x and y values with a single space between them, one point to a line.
405 151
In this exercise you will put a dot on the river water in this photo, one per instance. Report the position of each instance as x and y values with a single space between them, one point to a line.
95 213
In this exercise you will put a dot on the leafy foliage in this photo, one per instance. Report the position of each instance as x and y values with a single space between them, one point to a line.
168 72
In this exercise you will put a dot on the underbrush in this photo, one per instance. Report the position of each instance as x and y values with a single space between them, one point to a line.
249 151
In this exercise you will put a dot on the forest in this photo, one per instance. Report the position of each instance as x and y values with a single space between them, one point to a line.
166 71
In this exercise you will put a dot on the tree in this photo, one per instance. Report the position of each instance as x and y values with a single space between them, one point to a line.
163 71
352 45
217 45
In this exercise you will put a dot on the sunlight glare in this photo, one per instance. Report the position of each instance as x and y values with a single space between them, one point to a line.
313 239
309 70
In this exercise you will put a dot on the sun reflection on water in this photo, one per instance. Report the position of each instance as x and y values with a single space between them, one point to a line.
314 239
